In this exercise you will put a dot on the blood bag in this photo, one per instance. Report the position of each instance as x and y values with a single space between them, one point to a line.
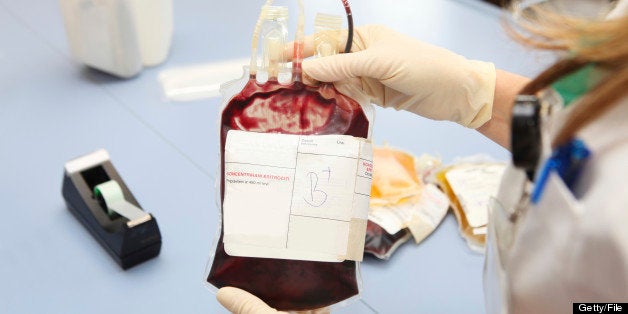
402 205
470 187
382 244
263 119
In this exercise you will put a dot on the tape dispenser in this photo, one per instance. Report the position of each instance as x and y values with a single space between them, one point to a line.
98 197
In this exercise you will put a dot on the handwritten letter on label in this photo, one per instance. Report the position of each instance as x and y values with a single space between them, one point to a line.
294 197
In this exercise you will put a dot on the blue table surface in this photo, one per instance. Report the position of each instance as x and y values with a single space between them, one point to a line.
53 109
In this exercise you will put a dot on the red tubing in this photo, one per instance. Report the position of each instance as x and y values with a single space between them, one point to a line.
297 57
345 3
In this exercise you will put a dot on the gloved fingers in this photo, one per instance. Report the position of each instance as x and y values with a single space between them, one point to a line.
362 37
241 302
348 86
309 45
372 88
344 66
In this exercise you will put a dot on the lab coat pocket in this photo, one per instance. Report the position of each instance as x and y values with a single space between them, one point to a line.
541 250
552 218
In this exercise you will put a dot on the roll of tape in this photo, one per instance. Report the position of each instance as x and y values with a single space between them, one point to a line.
110 195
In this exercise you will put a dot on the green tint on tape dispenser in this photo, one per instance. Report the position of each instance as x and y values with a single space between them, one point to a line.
96 194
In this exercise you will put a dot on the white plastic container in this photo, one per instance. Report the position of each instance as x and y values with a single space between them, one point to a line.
118 36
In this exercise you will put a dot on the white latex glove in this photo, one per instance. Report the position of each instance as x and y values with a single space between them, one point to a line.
239 301
401 72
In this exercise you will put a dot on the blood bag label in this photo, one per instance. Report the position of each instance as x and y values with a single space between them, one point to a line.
295 196
474 185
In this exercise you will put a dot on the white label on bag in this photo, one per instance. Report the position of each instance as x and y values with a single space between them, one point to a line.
296 197
474 185
391 218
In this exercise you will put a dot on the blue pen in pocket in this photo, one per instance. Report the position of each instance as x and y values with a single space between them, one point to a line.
567 161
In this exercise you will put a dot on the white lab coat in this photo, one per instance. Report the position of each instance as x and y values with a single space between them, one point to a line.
569 247
566 248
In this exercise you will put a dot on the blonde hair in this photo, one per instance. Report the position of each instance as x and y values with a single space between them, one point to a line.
604 43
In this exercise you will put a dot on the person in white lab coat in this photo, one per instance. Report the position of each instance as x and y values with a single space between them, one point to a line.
552 241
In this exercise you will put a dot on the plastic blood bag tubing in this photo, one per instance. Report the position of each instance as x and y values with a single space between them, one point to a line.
285 108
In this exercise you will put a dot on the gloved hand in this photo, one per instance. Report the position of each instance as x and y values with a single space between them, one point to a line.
239 301
401 72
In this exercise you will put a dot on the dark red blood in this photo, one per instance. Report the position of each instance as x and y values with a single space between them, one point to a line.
381 243
290 109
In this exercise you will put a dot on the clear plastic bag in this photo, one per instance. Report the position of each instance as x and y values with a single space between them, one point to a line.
289 109
382 244
306 275
402 204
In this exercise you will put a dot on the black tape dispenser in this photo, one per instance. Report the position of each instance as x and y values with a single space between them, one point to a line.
96 194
